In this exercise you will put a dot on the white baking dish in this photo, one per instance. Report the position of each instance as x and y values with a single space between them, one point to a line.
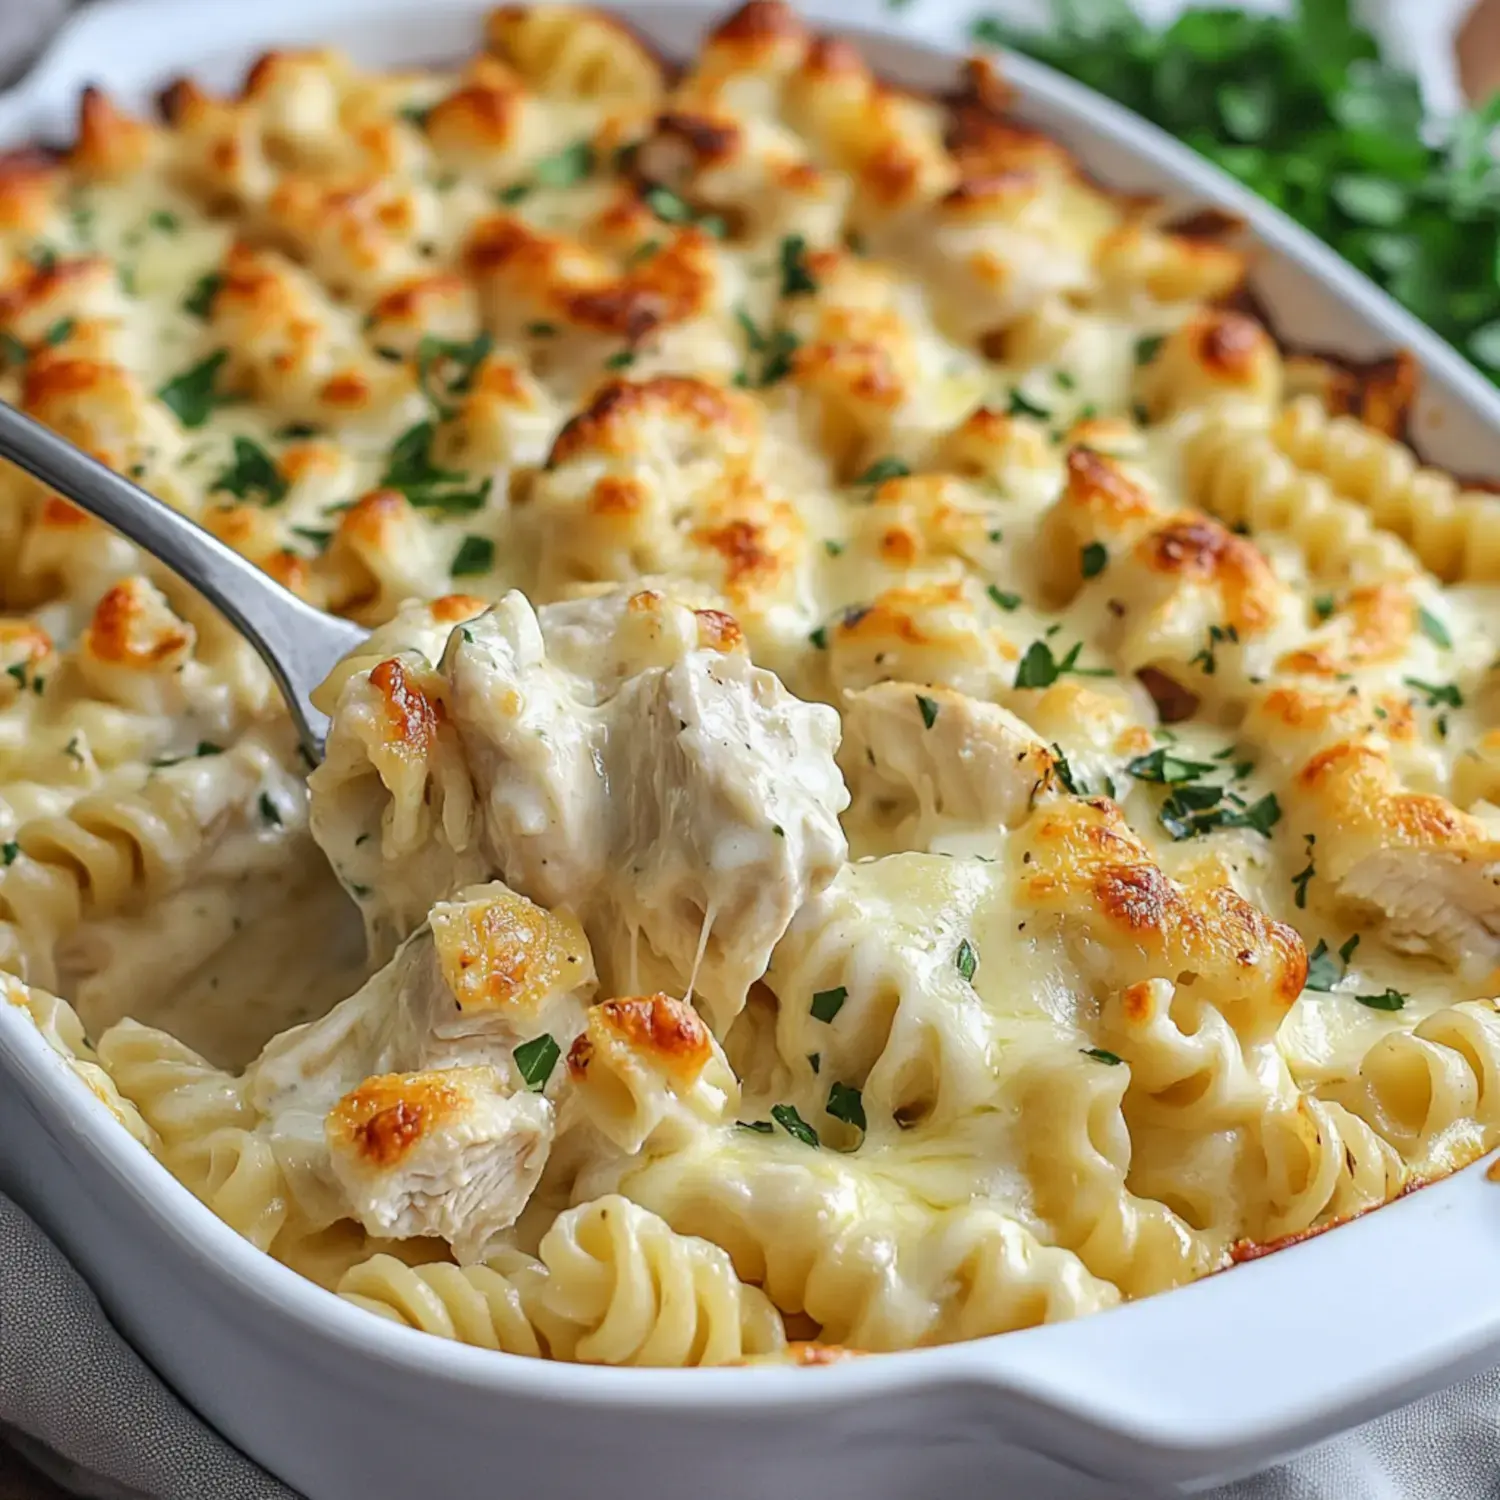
1216 1379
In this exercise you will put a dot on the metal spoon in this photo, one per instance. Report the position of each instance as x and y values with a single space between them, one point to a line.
298 643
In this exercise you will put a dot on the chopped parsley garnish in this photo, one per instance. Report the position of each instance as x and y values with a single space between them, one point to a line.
621 360
58 332
1322 974
668 206
294 431
815 1061
270 815
569 167
314 536
476 554
252 474
1147 348
818 638
1040 669
826 1004
1388 999
10 852
672 209
642 253
1437 692
1099 1054
415 114
1064 772
966 960
929 709
760 1127
1021 405
454 361
205 747
541 330
845 1103
535 1060
1260 817
1092 559
1167 768
163 221
1302 877
1434 629
1206 658
790 1121
796 279
1191 810
1001 600
773 350
74 750
833 548
1200 808
17 670
425 484
889 467
14 351
1323 606
1322 971
1302 108
191 395
1065 380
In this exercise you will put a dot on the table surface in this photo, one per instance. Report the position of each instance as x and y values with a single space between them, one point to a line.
19 1481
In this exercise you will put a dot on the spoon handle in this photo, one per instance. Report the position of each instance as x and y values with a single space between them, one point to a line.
297 642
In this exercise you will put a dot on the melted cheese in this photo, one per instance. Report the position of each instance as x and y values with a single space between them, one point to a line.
1028 778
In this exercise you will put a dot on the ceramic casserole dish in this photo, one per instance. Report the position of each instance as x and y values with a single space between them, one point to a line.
1219 1378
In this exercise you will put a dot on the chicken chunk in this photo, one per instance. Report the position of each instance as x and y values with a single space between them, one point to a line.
1430 871
646 1069
724 815
924 760
630 763
490 980
534 740
452 1153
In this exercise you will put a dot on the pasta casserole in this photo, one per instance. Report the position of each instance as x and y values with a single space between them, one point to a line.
914 774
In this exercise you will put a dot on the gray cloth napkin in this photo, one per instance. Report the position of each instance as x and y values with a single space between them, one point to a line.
88 1410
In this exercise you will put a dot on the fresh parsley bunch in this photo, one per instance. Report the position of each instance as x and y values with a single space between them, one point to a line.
1301 109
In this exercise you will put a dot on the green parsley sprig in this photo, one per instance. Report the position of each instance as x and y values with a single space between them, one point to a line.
1301 109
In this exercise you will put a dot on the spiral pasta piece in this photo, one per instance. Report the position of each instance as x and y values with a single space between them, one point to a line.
1433 1093
1455 533
113 850
1079 1153
478 1305
573 53
1324 1164
623 1288
873 1265
206 1125
62 1031
1236 472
